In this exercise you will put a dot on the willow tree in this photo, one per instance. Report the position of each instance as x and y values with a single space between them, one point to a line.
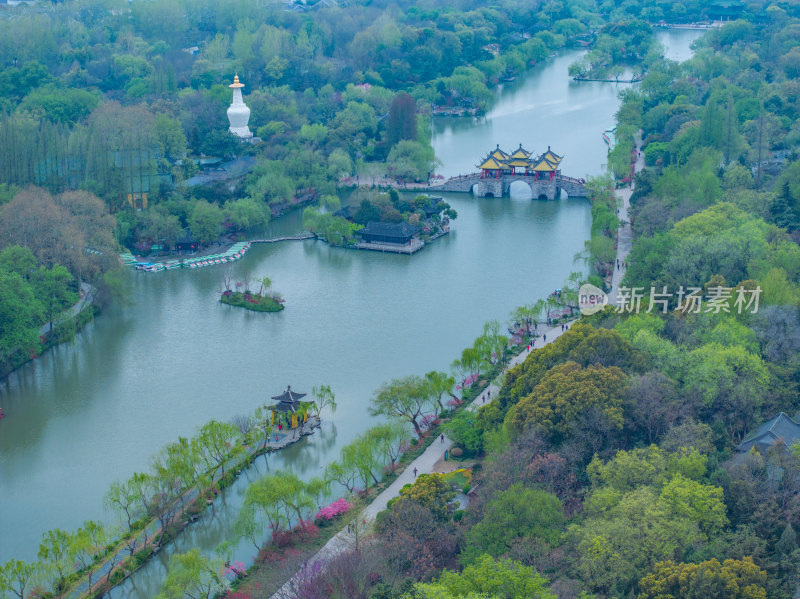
324 398
407 398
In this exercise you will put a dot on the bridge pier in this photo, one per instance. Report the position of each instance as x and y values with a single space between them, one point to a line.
490 188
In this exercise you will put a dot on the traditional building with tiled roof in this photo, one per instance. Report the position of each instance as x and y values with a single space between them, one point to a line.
780 429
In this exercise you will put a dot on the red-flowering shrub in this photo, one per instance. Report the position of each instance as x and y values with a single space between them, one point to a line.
337 508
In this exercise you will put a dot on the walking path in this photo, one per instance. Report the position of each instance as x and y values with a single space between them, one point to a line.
426 462
624 233
87 297
423 464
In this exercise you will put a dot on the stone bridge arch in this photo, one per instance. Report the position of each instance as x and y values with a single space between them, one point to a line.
484 187
540 189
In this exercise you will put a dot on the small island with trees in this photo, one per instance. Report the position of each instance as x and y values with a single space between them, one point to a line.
264 300
423 219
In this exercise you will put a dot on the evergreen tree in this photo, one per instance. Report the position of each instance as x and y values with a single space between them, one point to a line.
402 121
782 210
711 126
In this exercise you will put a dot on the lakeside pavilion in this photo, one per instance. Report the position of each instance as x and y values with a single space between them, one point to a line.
521 162
289 410
394 233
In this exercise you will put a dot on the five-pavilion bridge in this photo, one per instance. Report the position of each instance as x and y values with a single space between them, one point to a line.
499 170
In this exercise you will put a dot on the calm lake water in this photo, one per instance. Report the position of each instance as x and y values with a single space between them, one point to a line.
95 410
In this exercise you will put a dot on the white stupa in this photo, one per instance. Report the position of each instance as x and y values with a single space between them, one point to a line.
238 112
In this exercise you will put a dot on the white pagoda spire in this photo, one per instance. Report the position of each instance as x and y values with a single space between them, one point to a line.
238 112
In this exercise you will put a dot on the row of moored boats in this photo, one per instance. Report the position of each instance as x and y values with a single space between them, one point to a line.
235 252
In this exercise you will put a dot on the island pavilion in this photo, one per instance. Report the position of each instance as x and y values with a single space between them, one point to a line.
289 410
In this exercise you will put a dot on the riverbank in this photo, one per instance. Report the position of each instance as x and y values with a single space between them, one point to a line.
62 330
114 368
146 541
211 257
634 79
433 458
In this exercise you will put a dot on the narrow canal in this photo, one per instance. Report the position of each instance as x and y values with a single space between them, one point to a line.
93 411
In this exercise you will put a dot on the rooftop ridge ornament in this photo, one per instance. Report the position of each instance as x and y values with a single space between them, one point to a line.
238 112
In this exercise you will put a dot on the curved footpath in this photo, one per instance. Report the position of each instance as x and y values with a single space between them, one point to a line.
624 233
87 294
426 463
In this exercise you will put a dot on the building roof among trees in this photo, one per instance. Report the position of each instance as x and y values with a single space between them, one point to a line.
344 212
782 428
403 229
289 401
289 395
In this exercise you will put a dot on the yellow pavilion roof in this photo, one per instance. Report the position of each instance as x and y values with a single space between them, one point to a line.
498 154
544 166
518 162
521 153
551 156
490 164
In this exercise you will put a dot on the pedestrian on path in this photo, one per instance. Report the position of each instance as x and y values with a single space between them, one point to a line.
415 472
442 437
545 337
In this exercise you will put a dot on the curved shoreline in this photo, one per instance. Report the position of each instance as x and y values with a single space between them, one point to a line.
233 253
